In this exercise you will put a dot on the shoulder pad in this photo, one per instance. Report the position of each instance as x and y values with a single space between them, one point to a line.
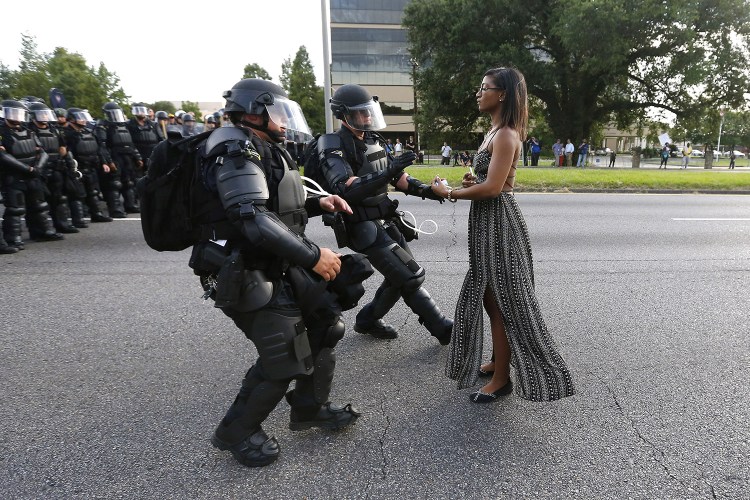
329 141
224 134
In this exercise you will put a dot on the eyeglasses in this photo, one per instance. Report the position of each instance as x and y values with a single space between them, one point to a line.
485 89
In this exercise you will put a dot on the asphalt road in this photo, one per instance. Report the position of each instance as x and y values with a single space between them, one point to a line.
114 371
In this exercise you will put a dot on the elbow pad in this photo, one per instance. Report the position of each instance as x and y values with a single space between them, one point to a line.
334 167
264 229
41 160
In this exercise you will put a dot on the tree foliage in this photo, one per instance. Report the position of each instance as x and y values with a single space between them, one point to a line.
83 85
589 62
298 79
255 71
164 106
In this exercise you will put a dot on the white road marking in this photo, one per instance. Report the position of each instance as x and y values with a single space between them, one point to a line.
711 218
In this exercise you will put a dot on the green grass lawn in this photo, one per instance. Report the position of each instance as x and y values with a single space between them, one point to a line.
560 179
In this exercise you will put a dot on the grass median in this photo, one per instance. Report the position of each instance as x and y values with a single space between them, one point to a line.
572 179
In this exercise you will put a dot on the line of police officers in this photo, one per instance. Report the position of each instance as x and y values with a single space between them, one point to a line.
55 166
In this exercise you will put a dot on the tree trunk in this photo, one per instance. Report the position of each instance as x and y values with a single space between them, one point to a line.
708 160
636 158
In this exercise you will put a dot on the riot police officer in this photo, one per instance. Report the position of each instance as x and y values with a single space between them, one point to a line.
60 174
356 166
123 159
288 294
162 122
23 163
86 150
144 133
188 124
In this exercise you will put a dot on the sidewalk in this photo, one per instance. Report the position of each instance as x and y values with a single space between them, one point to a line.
625 161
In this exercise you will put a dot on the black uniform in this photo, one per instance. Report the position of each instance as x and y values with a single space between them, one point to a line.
119 150
145 137
23 189
59 176
374 230
86 150
252 197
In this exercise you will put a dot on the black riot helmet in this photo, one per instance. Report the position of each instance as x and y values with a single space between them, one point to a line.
161 115
113 113
353 105
15 111
78 116
139 110
40 112
256 96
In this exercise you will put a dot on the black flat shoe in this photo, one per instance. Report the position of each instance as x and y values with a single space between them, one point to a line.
481 397
488 373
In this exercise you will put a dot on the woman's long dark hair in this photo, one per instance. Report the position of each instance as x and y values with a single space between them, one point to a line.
515 112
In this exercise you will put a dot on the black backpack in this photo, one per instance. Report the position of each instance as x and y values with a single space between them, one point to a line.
311 163
167 213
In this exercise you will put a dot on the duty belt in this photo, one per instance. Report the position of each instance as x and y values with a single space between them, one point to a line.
386 209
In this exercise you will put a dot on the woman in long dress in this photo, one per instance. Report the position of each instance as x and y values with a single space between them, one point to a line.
501 275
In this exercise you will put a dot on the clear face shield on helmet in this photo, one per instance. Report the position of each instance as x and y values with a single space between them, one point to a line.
287 114
82 117
293 120
16 114
116 116
367 116
44 115
139 111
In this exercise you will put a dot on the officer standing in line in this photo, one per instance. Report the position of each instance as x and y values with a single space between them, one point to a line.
283 291
23 163
143 132
85 148
162 122
57 173
356 166
123 159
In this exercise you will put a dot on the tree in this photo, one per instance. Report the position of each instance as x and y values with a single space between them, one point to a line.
298 79
192 107
588 62
82 86
255 71
164 106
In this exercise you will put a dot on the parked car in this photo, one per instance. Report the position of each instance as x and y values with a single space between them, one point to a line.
697 153
602 152
739 154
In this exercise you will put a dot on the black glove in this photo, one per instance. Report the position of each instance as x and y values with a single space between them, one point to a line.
401 162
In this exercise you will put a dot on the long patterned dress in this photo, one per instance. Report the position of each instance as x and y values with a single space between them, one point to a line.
500 258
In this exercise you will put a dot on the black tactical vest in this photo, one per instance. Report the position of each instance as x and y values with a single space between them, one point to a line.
119 138
84 147
50 142
21 144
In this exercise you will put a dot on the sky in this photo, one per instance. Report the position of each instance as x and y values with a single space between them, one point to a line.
169 51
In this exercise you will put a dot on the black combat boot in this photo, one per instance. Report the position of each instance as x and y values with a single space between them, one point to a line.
76 213
329 416
256 450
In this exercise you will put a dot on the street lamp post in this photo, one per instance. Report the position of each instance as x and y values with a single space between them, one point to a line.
721 125
414 66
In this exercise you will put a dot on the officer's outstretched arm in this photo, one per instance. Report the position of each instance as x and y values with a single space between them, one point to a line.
415 187
243 190
337 171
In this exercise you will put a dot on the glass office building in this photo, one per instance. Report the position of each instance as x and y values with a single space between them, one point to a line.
369 47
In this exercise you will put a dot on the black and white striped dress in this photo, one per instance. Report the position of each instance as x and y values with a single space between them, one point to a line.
500 258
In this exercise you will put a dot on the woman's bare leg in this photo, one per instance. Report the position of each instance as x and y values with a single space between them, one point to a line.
500 346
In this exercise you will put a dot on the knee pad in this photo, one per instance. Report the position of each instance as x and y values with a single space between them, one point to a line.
116 185
16 211
281 339
413 283
395 264
333 334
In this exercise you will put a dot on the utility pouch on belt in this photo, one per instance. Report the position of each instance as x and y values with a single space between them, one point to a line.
336 221
229 280
207 257
407 230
